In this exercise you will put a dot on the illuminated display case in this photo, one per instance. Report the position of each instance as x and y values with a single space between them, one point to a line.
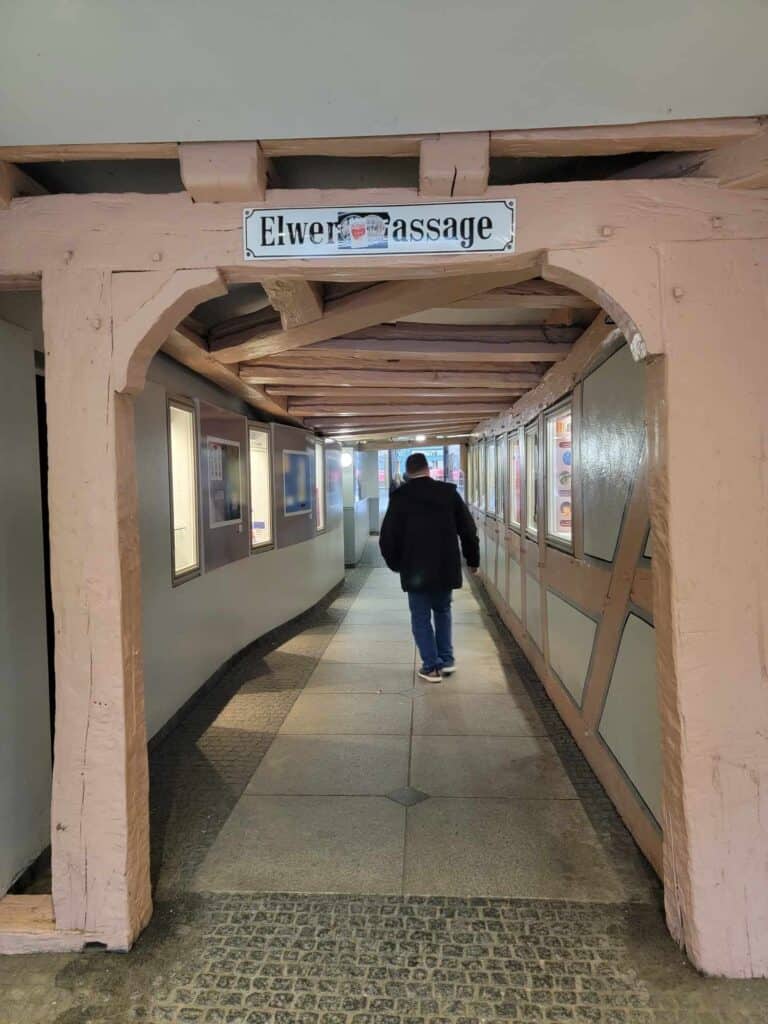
261 486
501 463
559 475
490 472
532 480
515 478
182 450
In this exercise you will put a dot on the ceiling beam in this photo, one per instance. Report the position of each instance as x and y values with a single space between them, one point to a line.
450 351
260 374
298 302
411 330
454 164
595 140
374 305
221 172
741 165
502 299
360 409
186 348
384 396
613 140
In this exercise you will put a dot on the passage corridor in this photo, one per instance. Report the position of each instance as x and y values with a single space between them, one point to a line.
335 842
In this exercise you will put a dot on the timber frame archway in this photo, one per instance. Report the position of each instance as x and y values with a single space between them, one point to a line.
681 265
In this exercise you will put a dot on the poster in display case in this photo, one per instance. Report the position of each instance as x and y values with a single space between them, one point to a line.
224 482
297 483
560 474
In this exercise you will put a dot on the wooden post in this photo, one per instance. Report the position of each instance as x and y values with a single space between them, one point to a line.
99 816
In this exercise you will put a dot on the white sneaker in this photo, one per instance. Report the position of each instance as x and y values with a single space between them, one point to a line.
448 670
431 675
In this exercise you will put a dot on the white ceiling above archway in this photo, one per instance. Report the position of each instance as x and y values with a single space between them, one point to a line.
78 71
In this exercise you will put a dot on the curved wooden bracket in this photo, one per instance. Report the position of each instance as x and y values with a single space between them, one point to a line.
147 307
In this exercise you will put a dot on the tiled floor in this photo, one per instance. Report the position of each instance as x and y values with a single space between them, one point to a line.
332 808
336 843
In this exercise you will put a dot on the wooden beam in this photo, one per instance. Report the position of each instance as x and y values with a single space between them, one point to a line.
455 164
503 299
221 172
298 302
595 140
190 350
360 409
612 140
374 305
449 351
741 165
385 396
15 183
262 374
411 330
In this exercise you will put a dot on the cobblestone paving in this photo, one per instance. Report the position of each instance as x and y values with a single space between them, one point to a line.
290 959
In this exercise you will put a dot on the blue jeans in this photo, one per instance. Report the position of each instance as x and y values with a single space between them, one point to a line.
434 642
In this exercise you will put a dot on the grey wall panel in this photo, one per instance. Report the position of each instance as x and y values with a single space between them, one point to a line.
356 531
612 430
501 568
571 636
533 610
25 733
191 629
490 558
630 720
515 587
447 67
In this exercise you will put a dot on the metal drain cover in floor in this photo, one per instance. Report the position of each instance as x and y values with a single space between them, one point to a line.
407 796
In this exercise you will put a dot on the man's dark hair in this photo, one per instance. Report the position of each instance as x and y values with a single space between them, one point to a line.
416 463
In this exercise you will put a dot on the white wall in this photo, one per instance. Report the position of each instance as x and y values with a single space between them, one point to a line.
191 629
25 735
297 68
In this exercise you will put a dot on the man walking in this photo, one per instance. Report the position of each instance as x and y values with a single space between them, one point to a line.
424 524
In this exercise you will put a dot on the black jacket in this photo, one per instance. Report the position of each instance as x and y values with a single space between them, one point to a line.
420 535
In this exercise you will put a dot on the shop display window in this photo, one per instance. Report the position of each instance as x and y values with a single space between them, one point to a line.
490 472
319 486
261 486
182 450
515 479
481 481
559 475
532 480
501 462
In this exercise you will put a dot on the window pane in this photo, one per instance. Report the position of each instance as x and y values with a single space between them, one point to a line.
481 481
320 485
515 481
559 475
531 480
261 487
183 455
490 467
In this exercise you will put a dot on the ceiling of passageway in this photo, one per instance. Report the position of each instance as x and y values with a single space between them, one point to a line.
437 372
74 72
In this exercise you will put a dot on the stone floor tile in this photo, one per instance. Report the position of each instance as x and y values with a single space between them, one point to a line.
440 712
332 765
489 766
359 713
332 677
536 849
345 844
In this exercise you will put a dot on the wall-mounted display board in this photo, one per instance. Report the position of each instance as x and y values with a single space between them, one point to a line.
225 482
223 476
559 475
261 485
297 483
334 486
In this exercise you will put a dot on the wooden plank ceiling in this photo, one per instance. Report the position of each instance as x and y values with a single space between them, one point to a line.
391 359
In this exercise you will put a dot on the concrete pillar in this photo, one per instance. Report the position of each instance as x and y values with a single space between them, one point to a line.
99 820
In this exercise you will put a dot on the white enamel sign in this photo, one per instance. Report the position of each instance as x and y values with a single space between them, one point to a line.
487 226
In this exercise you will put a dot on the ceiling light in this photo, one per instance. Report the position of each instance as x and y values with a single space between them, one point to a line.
346 459
420 438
